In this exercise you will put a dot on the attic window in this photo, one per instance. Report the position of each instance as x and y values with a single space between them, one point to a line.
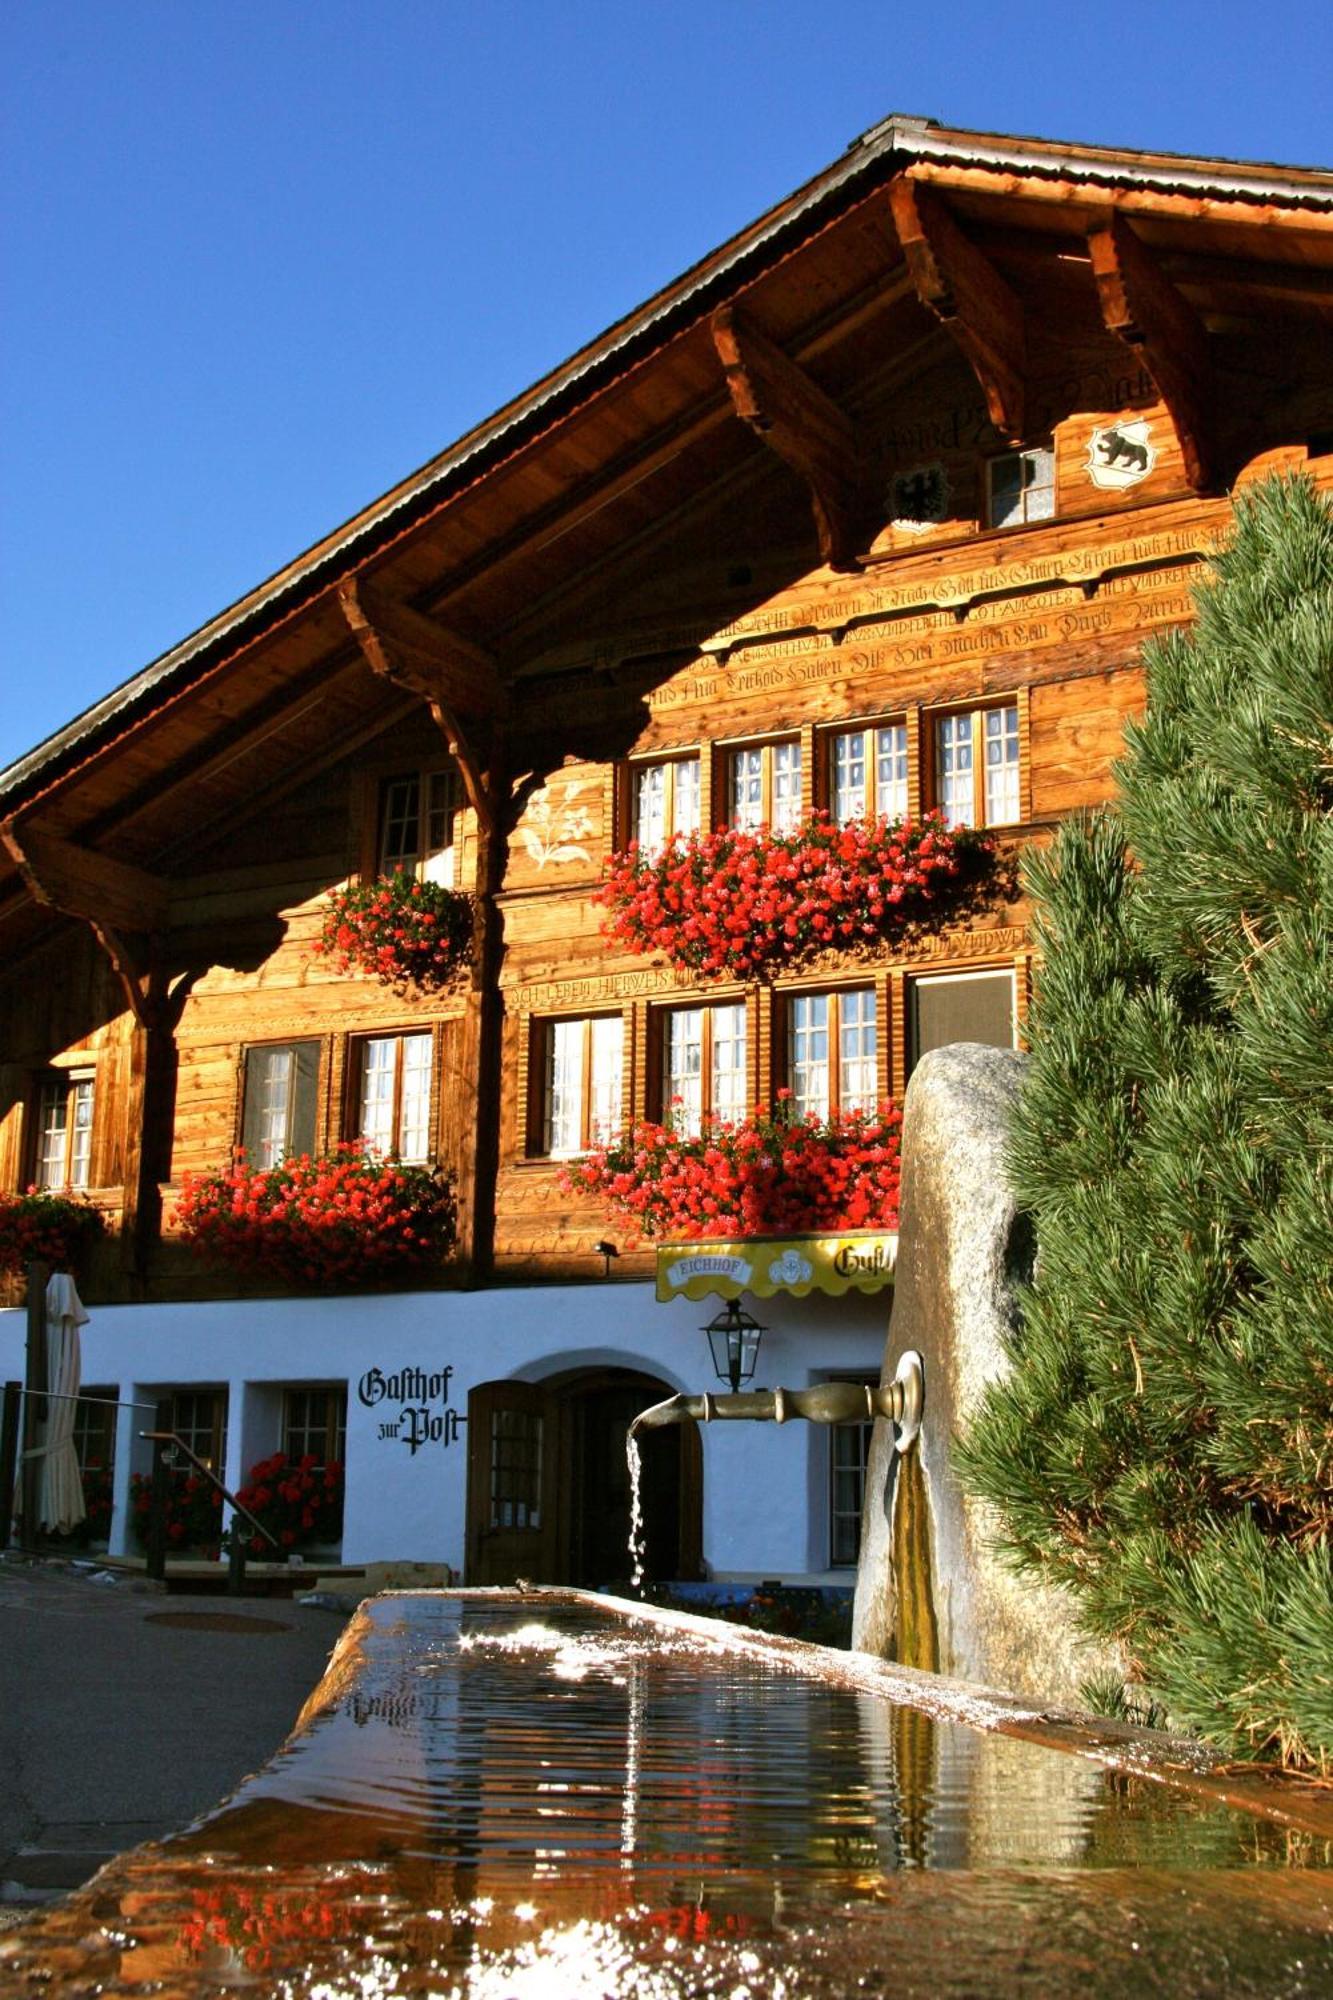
1020 487
416 825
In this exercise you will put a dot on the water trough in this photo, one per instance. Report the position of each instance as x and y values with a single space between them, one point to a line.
522 1796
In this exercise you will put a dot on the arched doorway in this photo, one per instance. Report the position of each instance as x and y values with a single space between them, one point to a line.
548 1483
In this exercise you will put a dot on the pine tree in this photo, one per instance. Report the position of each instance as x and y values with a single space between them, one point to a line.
1164 1446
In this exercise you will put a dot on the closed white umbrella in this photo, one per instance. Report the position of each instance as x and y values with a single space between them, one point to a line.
60 1502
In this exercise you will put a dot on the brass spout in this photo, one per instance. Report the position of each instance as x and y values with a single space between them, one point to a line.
823 1403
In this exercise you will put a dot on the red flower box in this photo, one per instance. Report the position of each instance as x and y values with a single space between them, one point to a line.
405 933
341 1221
750 905
54 1228
766 1176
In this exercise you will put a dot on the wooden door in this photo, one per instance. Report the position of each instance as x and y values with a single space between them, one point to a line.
513 1484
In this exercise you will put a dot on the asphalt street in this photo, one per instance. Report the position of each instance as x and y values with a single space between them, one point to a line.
117 1727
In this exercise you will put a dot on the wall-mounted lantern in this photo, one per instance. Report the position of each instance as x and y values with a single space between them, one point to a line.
733 1338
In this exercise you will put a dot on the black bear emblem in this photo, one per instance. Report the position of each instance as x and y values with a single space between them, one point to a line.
1121 450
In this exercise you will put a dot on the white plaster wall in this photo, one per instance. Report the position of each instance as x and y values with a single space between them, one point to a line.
764 1486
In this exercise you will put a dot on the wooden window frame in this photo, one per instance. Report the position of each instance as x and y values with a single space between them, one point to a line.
831 735
541 1078
864 1426
669 761
352 1121
374 862
916 980
767 746
334 1424
94 1432
834 995
935 720
1023 455
215 1456
293 1147
658 1106
65 1081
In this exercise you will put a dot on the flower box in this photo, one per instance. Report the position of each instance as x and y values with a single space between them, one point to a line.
341 1221
749 905
767 1175
54 1229
408 934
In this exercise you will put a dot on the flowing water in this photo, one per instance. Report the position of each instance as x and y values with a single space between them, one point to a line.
499 1800
638 1553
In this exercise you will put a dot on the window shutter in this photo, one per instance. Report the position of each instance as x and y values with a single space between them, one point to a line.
304 1104
252 1100
966 1007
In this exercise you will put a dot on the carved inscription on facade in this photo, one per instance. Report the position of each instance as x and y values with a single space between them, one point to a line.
799 618
553 995
939 639
565 995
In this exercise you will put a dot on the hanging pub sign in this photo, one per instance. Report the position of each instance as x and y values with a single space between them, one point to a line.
860 1261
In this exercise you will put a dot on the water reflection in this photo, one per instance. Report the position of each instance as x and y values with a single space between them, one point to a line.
489 1805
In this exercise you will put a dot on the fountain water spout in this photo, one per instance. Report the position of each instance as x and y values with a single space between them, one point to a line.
902 1400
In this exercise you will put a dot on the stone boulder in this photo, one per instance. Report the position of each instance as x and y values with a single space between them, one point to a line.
930 1590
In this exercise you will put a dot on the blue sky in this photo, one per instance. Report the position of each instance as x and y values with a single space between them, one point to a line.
263 257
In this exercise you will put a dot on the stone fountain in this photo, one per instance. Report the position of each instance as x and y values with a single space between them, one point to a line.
931 1591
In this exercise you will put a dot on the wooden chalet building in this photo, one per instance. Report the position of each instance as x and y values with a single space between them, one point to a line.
869 511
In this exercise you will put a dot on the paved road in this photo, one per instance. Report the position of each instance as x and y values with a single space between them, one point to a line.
116 1728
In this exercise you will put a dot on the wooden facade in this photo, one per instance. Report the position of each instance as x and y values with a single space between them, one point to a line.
941 438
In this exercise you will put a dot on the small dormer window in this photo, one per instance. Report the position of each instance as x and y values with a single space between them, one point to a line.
1020 487
416 825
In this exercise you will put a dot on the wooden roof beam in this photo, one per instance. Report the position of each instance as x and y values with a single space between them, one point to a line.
1144 309
790 412
420 654
125 907
960 285
82 883
452 676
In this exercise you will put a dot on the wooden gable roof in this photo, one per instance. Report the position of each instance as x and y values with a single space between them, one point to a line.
917 236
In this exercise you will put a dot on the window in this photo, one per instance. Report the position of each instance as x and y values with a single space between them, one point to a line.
664 801
977 767
279 1103
961 1007
393 1095
832 1049
704 1078
416 825
95 1428
1020 487
868 773
516 1469
199 1419
314 1424
764 786
582 1093
849 1449
65 1130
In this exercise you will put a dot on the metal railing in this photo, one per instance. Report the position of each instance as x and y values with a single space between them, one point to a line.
166 1444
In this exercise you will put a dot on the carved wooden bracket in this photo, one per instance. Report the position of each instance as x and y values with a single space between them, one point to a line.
1144 309
794 417
125 908
452 676
82 883
961 286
